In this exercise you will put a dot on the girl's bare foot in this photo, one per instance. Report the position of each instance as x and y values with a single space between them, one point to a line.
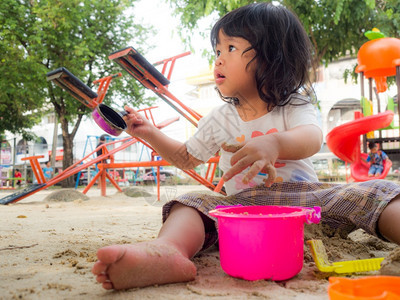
143 264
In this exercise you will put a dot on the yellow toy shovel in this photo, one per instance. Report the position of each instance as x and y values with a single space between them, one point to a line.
323 264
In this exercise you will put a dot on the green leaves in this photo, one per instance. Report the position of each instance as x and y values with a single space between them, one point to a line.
39 36
338 11
370 3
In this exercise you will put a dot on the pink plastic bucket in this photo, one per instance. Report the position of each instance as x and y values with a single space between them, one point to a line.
263 242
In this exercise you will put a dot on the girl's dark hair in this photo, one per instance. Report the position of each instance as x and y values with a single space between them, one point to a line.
283 49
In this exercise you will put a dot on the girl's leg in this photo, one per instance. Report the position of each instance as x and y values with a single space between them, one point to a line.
389 221
163 260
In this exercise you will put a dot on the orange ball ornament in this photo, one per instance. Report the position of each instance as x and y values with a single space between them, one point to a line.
378 59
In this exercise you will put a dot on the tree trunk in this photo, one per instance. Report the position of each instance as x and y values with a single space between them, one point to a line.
68 160
68 137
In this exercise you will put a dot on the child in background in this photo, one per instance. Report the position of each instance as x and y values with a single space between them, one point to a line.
48 171
266 132
376 158
18 174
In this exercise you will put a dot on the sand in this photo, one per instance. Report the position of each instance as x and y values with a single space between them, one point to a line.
48 247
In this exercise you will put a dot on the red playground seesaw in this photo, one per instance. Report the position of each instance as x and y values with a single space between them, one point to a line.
113 123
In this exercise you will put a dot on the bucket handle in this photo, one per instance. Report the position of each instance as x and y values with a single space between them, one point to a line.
313 215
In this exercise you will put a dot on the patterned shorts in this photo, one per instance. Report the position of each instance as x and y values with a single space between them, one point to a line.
345 207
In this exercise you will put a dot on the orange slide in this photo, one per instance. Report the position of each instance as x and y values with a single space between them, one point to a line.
344 142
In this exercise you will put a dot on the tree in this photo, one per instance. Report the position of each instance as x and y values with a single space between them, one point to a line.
39 36
336 28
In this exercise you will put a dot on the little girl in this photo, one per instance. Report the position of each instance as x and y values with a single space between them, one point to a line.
265 133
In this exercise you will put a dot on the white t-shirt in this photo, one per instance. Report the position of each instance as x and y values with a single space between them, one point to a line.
224 124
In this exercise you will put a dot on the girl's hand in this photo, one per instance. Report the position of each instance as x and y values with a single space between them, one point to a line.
260 153
137 125
173 151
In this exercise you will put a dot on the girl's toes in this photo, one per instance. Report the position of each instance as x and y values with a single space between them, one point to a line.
102 278
99 268
108 285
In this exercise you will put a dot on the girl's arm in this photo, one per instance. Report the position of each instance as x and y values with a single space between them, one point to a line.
169 149
261 153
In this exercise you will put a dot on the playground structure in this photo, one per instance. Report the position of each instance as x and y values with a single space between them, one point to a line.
138 67
377 59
